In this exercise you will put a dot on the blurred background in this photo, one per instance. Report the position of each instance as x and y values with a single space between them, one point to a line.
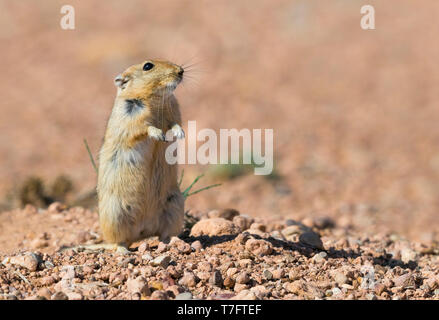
354 112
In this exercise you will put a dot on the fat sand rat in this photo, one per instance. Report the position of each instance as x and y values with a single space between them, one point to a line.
137 189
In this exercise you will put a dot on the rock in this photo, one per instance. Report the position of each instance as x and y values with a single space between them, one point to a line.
227 214
59 295
188 280
240 286
159 295
197 246
260 292
405 280
339 277
56 207
162 247
47 281
371 296
259 247
214 227
73 295
320 257
242 222
258 226
44 292
162 261
216 279
147 257
138 285
294 287
291 230
242 278
28 261
144 246
184 247
267 274
184 296
278 274
311 239
408 255
244 295
229 282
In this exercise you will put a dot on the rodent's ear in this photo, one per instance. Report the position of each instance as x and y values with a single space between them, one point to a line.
120 81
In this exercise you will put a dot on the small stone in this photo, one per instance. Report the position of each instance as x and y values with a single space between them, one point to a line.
147 257
339 277
371 296
159 295
294 287
379 289
162 261
188 280
229 282
291 230
138 285
59 295
404 280
56 207
239 287
278 274
44 292
143 247
408 255
227 214
162 247
72 295
28 261
214 227
259 247
184 296
216 278
258 226
336 291
245 295
197 246
268 275
47 281
311 239
184 247
320 257
242 278
242 222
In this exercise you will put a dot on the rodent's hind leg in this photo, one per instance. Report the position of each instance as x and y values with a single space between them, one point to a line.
172 217
118 248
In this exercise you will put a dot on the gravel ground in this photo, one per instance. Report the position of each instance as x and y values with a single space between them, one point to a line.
220 255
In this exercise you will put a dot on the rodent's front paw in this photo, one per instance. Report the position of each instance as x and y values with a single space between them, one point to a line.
156 133
178 131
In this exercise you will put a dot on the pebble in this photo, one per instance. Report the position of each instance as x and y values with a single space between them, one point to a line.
197 246
188 280
311 239
162 261
28 261
184 296
259 247
59 295
138 285
242 222
214 227
227 214
408 255
268 275
242 278
340 277
216 279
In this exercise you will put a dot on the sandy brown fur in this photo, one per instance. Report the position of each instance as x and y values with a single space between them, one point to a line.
137 189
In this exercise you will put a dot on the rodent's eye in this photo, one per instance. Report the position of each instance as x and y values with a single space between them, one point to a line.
148 66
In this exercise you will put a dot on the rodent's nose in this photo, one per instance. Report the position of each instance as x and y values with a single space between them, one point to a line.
180 73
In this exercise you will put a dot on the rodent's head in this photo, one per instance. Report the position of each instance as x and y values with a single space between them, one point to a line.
152 77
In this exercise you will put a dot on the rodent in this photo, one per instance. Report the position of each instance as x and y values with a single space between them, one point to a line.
138 193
